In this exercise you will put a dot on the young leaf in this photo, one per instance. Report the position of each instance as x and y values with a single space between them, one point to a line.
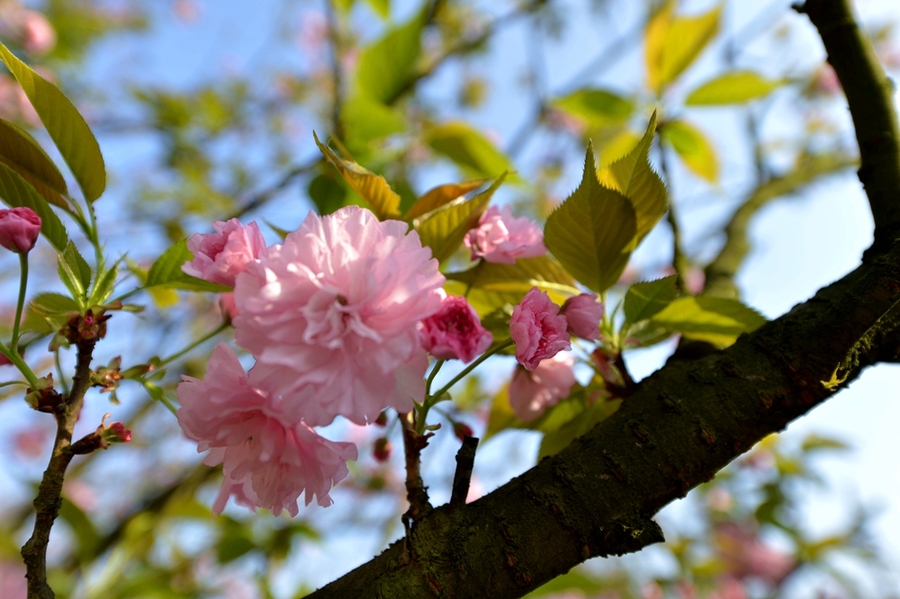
442 194
634 178
53 304
104 285
77 265
644 300
717 320
366 120
19 151
468 148
694 149
386 66
735 87
443 231
673 43
592 233
597 107
17 192
166 271
67 128
373 189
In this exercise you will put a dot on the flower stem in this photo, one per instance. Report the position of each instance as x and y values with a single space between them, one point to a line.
23 283
199 341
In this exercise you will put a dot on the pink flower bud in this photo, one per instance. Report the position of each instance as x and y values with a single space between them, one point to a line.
530 393
382 450
19 229
502 238
116 433
537 329
583 313
454 331
219 257
462 430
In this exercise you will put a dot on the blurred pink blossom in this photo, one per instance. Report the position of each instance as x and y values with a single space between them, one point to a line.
219 257
38 35
19 229
583 313
33 441
4 361
12 580
336 308
226 303
454 331
530 393
745 554
269 457
502 238
538 329
729 588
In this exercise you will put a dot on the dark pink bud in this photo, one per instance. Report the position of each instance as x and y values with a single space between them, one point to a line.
19 229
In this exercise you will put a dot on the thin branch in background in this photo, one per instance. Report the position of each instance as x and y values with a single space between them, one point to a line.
679 260
334 37
264 196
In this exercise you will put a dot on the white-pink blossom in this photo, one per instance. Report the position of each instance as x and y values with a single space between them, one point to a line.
336 308
530 393
502 238
269 456
537 329
454 331
219 257
583 313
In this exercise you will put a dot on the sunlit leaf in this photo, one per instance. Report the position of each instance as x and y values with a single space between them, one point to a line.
597 107
166 271
442 194
592 233
634 178
366 120
443 231
468 148
17 192
673 43
735 87
65 125
386 66
693 148
21 152
381 7
616 147
717 320
53 304
373 189
644 300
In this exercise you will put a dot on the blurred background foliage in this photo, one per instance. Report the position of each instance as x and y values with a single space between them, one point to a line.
205 111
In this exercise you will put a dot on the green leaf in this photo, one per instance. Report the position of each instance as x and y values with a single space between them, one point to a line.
467 148
673 43
597 107
83 531
327 192
442 194
555 441
717 320
53 304
367 120
491 286
17 192
104 285
634 178
644 300
166 272
20 151
385 67
735 87
78 265
373 189
814 442
67 128
693 147
443 231
592 233
381 7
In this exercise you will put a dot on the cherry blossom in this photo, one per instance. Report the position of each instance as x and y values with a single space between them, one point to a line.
220 256
454 331
538 329
530 393
502 238
583 313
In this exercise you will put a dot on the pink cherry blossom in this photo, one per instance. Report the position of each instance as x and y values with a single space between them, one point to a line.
729 588
530 393
583 313
336 307
220 256
538 329
269 456
502 238
454 331
19 229
745 554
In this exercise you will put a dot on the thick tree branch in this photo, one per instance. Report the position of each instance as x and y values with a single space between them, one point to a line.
683 423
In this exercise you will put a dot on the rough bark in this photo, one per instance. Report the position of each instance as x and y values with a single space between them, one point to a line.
686 421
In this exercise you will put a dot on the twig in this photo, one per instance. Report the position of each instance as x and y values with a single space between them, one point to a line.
416 491
465 461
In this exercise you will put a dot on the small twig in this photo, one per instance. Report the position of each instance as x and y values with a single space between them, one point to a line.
679 260
465 461
334 36
264 196
416 491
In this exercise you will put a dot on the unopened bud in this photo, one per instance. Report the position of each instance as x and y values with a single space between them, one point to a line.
43 397
462 430
382 450
381 420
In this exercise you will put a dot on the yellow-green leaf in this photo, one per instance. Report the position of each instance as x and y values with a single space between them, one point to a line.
17 192
381 7
443 231
735 87
597 107
442 194
385 66
644 300
693 148
673 43
717 320
634 178
592 233
373 189
67 128
166 272
20 151
366 120
616 147
467 148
